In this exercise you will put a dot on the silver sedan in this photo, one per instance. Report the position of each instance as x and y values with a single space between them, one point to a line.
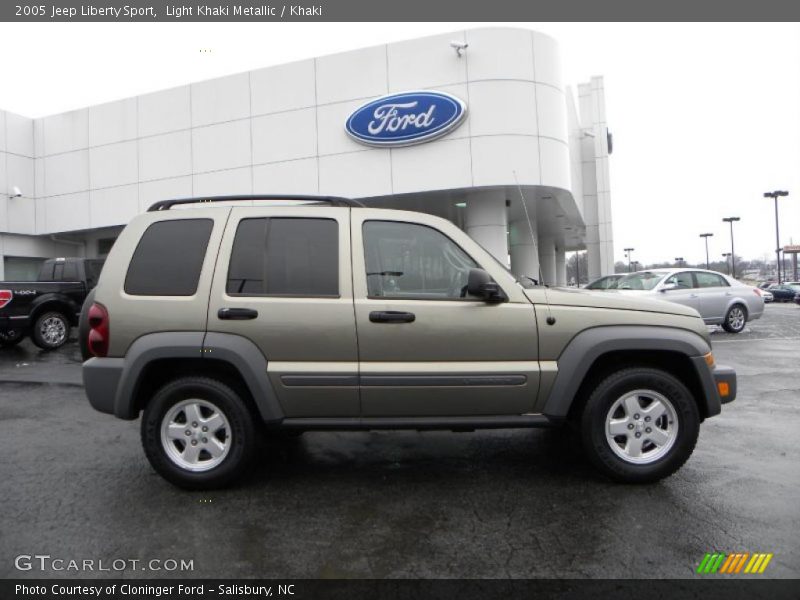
720 300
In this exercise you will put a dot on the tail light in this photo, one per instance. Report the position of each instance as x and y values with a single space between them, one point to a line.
758 292
5 297
98 330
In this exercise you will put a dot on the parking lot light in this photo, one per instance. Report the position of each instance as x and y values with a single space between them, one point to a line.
732 220
775 195
706 236
628 255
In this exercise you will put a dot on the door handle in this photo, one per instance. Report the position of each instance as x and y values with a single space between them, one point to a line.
237 314
692 295
391 316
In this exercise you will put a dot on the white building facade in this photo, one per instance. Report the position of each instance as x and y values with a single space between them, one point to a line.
84 174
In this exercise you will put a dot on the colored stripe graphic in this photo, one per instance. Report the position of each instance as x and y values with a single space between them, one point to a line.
720 562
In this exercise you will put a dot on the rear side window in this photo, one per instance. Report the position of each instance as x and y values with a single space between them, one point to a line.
285 257
168 259
706 280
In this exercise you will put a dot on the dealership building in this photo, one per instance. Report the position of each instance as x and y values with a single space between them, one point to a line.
516 133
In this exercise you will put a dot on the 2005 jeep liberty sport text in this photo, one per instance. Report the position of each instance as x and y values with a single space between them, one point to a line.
240 316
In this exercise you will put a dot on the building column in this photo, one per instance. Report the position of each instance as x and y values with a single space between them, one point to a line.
486 222
524 256
547 259
561 267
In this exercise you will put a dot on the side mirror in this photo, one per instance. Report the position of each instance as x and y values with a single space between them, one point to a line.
480 284
669 286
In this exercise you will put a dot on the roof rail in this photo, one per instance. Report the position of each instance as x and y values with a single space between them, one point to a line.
332 200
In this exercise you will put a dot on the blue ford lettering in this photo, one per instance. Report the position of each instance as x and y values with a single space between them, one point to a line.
405 119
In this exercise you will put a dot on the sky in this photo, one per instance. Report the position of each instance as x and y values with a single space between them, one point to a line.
705 117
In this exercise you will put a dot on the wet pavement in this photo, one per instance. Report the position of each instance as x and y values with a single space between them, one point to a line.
74 484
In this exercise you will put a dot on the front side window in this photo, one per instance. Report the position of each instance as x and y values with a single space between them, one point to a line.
285 257
684 281
406 260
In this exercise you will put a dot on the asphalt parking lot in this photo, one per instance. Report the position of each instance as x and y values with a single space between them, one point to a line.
76 485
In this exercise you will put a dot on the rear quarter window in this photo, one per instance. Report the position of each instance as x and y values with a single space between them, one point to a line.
168 258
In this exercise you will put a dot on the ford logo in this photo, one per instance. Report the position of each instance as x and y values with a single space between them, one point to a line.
405 119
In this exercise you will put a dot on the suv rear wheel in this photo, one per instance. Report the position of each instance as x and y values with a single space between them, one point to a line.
198 433
640 425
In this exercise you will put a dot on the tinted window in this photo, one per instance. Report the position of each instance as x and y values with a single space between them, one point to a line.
285 257
169 257
682 280
706 280
66 271
93 269
407 260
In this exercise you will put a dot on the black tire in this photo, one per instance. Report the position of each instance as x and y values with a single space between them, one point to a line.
732 323
597 410
50 330
11 337
241 438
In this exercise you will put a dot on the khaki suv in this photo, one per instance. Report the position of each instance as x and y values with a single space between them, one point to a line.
241 316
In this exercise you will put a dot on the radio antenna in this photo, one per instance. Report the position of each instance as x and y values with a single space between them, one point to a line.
550 319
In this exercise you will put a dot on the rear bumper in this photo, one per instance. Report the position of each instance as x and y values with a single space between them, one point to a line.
101 377
725 381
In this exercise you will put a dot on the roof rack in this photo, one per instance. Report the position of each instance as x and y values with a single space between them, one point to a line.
332 200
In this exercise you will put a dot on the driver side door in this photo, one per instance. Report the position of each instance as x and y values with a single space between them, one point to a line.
426 348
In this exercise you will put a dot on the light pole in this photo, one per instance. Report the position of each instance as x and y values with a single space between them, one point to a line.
706 236
732 220
628 254
775 195
679 260
727 264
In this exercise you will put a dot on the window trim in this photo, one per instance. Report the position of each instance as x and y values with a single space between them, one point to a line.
410 297
269 218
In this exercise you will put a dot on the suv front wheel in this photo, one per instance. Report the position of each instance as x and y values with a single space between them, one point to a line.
640 425
198 433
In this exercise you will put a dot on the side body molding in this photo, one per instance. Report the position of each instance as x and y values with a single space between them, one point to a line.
586 347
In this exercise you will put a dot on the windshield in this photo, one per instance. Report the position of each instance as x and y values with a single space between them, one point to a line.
644 280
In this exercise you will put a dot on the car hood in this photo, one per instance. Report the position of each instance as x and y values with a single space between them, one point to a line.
614 299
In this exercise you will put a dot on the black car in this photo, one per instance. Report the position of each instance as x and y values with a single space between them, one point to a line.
784 292
47 308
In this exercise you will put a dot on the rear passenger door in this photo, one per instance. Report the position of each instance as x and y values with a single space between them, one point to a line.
283 282
715 293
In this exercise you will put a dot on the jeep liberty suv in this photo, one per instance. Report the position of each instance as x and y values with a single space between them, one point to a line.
240 316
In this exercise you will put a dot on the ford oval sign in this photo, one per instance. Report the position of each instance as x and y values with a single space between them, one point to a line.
405 119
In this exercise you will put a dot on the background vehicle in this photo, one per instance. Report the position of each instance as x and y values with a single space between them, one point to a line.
767 296
220 323
720 300
784 292
608 282
48 307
